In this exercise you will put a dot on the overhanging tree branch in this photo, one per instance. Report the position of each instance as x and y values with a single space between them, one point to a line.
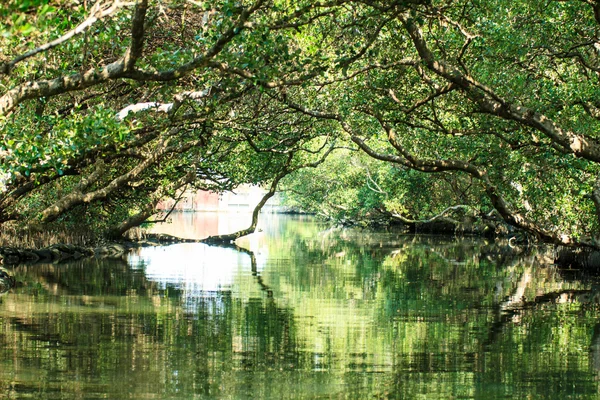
124 67
79 197
98 11
155 197
490 102
229 238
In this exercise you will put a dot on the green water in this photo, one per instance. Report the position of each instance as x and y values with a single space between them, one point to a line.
302 313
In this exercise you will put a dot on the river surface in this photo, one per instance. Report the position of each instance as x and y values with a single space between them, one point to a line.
300 311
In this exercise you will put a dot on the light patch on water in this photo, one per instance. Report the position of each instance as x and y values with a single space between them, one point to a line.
195 268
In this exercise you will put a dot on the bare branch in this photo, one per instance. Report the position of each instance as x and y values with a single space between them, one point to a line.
432 219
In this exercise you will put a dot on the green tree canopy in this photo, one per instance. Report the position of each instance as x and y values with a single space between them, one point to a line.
491 106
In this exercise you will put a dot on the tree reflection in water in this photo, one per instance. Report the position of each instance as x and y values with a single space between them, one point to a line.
297 312
7 281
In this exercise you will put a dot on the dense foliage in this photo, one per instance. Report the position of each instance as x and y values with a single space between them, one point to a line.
477 109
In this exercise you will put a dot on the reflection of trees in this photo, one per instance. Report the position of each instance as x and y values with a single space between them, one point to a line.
6 281
448 314
595 349
102 321
516 341
375 314
90 277
253 264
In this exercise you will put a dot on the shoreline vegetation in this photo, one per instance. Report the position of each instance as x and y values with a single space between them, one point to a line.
61 252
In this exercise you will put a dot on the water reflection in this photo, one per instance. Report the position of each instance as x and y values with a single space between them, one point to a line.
193 267
198 225
7 282
303 312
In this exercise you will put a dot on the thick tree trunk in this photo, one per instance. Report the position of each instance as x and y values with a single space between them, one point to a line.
118 231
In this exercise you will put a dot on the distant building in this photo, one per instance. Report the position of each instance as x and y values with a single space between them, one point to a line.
244 199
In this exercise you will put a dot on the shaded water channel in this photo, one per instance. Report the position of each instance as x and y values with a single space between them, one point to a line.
302 312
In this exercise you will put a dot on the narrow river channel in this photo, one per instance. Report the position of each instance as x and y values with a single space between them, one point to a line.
300 311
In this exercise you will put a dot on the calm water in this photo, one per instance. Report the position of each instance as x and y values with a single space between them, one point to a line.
302 312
